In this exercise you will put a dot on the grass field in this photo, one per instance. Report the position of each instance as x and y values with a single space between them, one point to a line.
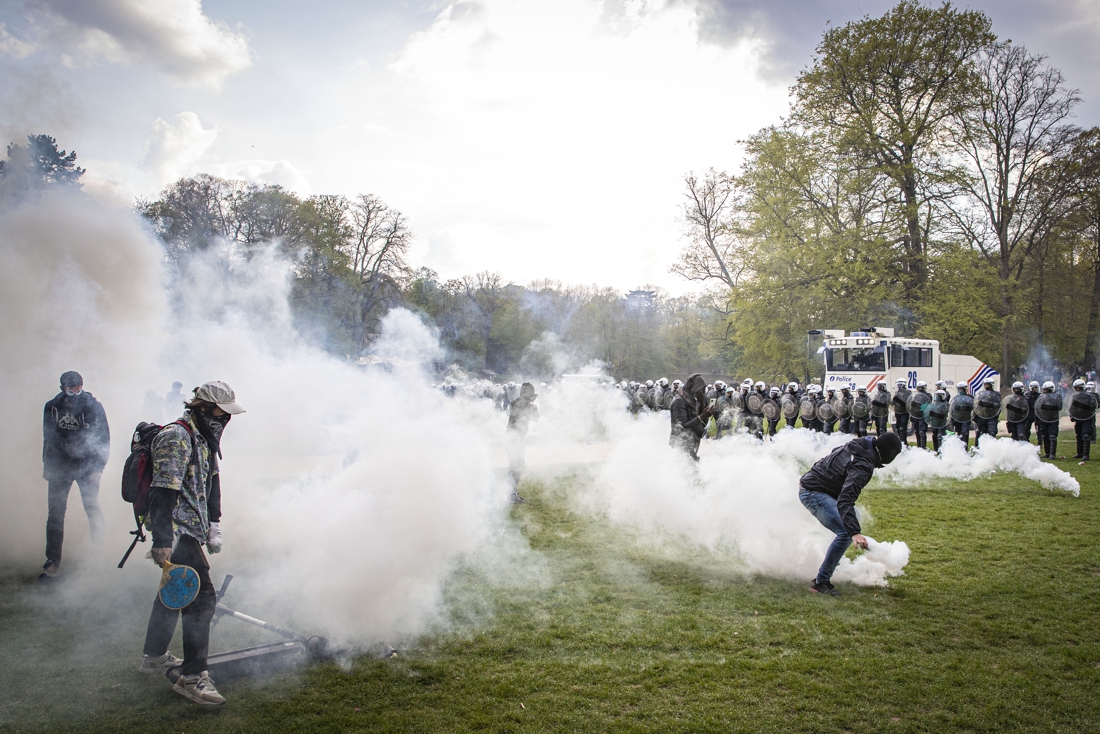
993 628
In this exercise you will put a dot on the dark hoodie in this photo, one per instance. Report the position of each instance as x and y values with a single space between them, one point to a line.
842 475
687 429
76 439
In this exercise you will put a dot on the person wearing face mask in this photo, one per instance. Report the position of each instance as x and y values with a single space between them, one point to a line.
186 493
76 442
690 413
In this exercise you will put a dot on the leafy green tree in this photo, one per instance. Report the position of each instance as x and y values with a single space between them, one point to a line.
887 88
36 166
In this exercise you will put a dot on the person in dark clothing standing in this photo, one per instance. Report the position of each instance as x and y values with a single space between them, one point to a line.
520 414
186 493
689 417
830 488
76 442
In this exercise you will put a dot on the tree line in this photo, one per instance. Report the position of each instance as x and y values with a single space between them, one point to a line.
928 177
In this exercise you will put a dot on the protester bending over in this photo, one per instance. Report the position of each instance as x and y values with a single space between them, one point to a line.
76 442
830 488
186 492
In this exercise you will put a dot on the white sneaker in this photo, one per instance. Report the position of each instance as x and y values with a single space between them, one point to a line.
198 688
151 664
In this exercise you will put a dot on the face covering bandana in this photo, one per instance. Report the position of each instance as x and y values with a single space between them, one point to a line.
211 428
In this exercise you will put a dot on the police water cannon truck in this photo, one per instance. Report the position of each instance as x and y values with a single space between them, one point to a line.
874 355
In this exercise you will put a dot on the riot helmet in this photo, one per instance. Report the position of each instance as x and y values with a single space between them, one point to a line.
862 389
1033 385
649 383
941 384
747 382
882 386
663 382
760 386
774 391
1048 386
1090 386
921 385
901 382
1078 384
940 395
962 388
988 382
792 387
719 386
830 390
676 384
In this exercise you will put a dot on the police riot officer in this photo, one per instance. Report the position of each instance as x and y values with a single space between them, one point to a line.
758 418
846 421
859 424
723 410
1033 395
664 394
962 408
1083 401
794 394
882 393
940 396
987 425
1021 430
827 427
920 426
1048 427
901 413
773 423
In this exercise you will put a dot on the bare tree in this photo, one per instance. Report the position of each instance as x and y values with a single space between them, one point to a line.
1016 127
378 241
711 251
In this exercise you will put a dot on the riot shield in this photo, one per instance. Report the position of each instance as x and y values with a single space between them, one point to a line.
825 412
900 401
880 404
1082 405
807 410
915 405
841 407
987 404
789 407
770 409
861 407
938 412
1048 407
754 402
962 408
1016 409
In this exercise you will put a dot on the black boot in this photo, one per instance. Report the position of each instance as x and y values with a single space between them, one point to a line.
1044 445
1053 448
1080 451
1086 445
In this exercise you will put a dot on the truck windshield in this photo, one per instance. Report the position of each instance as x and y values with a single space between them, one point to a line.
864 359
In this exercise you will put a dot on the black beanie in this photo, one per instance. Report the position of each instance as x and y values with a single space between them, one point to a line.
71 379
888 446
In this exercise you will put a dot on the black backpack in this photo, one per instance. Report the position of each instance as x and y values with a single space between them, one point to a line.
137 476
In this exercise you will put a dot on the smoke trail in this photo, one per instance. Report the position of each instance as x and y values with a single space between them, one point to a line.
914 467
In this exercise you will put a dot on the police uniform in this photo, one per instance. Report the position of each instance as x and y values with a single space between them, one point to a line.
901 417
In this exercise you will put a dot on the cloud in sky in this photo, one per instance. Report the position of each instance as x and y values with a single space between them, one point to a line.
550 140
175 36
175 146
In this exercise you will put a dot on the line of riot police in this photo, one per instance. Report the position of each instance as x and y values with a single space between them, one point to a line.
757 409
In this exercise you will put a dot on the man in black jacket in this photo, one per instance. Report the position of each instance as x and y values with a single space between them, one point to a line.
76 442
689 416
830 489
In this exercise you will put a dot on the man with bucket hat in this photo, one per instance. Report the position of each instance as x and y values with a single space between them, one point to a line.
186 493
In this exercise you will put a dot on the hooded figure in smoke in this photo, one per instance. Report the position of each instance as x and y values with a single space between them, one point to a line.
689 416
76 442
185 507
830 489
520 414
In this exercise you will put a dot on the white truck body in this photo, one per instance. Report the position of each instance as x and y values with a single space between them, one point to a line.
869 357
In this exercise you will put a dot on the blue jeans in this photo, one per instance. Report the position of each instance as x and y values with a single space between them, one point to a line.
823 507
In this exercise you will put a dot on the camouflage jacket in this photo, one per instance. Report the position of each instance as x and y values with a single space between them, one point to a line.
173 469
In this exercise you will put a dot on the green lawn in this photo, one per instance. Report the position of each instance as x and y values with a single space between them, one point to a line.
993 628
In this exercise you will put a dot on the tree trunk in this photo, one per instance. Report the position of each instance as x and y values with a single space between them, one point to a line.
1092 333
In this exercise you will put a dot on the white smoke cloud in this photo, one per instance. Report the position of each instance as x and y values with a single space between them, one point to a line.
175 147
175 36
278 173
348 496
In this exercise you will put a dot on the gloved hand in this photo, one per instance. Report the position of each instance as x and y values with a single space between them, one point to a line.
214 538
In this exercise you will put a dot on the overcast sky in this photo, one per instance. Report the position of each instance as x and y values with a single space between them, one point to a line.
538 139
